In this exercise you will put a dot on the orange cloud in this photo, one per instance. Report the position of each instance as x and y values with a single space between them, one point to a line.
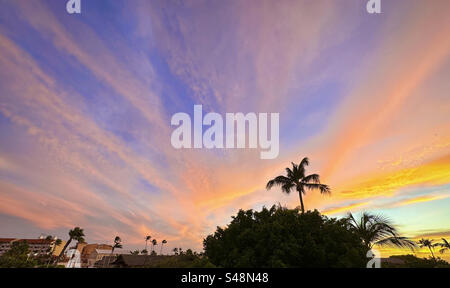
380 93
436 172
347 208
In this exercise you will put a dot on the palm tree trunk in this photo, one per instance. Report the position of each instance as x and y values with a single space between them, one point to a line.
301 202
63 250
432 254
51 255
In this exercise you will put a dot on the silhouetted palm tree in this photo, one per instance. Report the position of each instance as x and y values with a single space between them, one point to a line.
135 252
377 230
74 234
445 246
429 244
296 178
117 245
162 245
55 242
147 238
154 243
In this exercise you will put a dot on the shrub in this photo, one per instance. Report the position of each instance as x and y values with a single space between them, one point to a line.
279 237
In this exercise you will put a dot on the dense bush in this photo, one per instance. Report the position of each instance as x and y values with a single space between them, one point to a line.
279 237
17 257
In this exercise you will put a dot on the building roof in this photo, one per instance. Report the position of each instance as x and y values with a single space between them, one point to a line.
29 241
36 241
138 260
90 248
7 240
103 251
106 262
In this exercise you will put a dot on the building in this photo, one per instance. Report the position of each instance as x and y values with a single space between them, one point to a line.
98 255
57 250
105 262
93 251
5 244
36 246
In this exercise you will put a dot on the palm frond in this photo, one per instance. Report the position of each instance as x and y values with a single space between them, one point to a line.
401 242
286 188
304 162
289 172
324 189
302 168
313 178
279 181
445 244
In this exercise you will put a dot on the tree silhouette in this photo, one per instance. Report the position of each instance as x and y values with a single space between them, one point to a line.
297 179
162 245
117 245
429 244
445 246
147 238
74 234
55 243
135 252
377 230
154 243
280 237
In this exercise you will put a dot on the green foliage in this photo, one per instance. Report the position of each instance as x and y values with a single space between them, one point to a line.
17 256
279 237
411 261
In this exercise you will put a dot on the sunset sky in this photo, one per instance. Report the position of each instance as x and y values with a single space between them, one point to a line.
86 102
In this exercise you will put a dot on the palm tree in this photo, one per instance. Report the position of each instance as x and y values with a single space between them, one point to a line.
445 246
147 238
55 242
154 243
162 245
296 179
74 234
429 244
117 244
135 252
377 230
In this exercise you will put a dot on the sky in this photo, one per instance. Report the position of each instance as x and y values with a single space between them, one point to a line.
86 102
